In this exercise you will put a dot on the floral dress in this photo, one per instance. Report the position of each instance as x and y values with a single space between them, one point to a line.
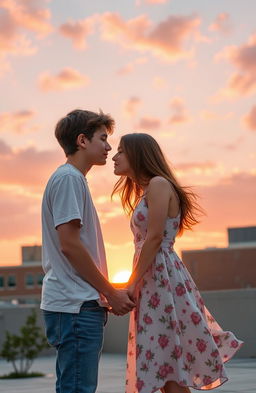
172 335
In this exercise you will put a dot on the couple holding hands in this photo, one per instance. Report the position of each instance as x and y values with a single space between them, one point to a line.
174 343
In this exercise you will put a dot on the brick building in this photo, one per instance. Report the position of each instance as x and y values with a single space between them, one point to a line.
233 267
23 283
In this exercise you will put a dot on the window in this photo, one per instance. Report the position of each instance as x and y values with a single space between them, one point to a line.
11 282
1 282
29 280
40 279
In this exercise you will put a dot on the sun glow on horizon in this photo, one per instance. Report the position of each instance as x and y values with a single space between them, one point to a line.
122 276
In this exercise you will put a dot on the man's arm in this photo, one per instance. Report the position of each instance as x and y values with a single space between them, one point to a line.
80 259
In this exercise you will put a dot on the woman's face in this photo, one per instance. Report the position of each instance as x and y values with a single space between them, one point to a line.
121 163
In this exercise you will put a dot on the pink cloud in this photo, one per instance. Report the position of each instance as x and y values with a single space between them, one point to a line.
78 31
131 105
27 167
221 24
17 121
149 123
242 82
29 14
250 119
230 202
179 113
20 215
17 19
128 68
195 166
165 40
66 79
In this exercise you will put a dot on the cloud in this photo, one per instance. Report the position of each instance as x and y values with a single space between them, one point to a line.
17 121
131 105
152 1
17 19
242 82
20 215
250 119
179 113
198 167
28 14
129 67
78 31
149 123
159 82
230 202
27 167
4 148
66 79
166 40
222 23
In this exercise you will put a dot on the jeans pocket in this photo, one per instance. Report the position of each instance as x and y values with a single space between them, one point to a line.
52 327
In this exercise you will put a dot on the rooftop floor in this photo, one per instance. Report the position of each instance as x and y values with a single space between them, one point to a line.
242 373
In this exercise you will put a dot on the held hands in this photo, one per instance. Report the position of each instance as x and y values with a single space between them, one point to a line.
120 302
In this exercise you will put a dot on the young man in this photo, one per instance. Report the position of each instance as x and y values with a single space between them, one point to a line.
73 255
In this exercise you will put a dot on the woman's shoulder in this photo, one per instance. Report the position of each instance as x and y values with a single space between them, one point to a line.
158 181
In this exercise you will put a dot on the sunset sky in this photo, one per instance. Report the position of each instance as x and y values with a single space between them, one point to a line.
183 71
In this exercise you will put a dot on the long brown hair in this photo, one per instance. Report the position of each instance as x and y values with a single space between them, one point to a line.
147 160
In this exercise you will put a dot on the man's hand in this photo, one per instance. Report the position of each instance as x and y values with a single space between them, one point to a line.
120 302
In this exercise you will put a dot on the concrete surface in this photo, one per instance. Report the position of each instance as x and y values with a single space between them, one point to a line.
242 374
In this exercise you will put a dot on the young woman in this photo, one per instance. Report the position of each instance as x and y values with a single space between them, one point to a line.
174 342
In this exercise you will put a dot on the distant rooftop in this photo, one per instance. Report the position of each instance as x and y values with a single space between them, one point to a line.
242 236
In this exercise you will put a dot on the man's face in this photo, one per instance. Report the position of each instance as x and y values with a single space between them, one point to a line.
98 147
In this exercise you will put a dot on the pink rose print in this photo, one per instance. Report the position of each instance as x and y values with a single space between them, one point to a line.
187 284
164 282
168 309
175 224
149 355
152 338
140 216
163 341
154 301
190 357
160 268
144 367
163 371
137 238
138 350
147 319
201 345
196 318
217 340
234 344
173 324
207 380
176 354
190 341
139 384
215 353
180 289
140 329
177 264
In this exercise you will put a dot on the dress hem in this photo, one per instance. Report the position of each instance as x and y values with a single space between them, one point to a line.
203 388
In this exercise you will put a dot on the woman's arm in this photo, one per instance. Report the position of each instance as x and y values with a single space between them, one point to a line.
159 194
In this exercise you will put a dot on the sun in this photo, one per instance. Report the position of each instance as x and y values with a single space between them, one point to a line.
122 276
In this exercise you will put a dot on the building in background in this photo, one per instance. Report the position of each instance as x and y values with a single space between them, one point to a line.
22 284
233 267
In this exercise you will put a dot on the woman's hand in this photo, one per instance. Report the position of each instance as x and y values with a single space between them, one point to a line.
131 288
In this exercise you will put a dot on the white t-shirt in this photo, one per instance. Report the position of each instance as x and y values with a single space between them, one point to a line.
67 197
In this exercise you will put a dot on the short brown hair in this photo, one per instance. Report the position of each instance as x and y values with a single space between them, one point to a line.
80 122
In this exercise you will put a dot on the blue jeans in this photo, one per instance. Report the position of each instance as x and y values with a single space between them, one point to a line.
78 339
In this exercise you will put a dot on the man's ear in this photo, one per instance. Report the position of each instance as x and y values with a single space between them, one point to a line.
82 141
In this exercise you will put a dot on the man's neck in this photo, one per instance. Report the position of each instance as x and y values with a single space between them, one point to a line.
79 164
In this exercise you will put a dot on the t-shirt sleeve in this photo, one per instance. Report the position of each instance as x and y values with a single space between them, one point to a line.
68 199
